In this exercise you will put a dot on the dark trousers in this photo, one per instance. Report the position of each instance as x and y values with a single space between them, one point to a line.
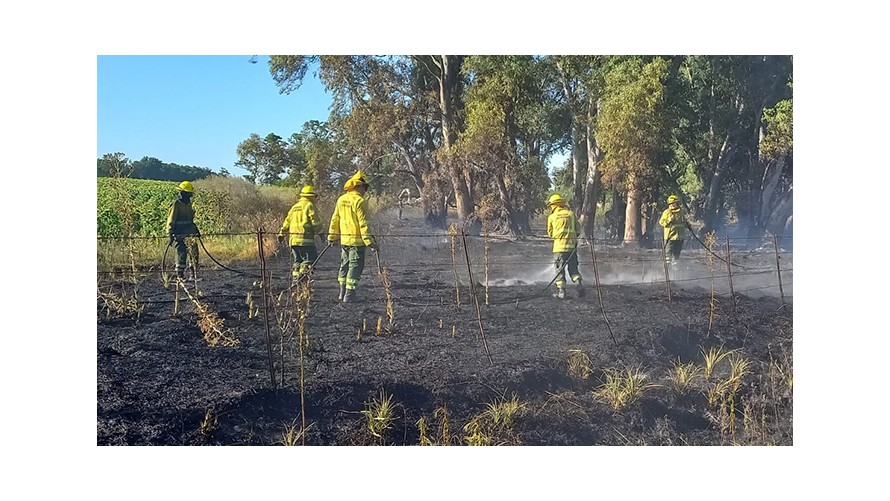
304 256
672 250
570 259
186 253
352 263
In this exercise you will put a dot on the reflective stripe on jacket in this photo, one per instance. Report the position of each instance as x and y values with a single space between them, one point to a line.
563 228
674 223
181 219
302 223
349 222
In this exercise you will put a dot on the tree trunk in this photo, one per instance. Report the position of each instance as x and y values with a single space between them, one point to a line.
577 185
511 227
649 218
727 152
780 214
592 186
448 80
615 216
632 215
771 177
435 210
522 221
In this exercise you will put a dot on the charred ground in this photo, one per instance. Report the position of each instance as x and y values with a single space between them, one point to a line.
160 383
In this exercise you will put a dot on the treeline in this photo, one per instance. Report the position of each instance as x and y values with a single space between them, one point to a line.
117 164
477 132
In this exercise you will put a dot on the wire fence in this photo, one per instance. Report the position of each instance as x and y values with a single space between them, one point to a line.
431 270
735 265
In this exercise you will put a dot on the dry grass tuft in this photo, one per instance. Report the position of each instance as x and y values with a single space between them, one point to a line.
209 322
683 375
623 387
117 306
380 415
578 363
495 425
712 357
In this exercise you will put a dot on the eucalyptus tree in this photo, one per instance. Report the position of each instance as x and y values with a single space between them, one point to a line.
581 78
633 131
772 202
265 158
513 123
723 105
406 107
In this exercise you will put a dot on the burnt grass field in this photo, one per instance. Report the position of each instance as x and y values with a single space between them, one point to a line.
159 382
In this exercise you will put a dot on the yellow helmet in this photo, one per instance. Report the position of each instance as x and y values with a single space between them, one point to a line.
186 186
555 199
307 191
673 199
359 178
350 184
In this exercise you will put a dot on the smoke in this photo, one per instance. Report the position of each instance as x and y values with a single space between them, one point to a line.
757 279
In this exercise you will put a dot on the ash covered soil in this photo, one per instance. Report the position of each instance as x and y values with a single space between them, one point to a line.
160 383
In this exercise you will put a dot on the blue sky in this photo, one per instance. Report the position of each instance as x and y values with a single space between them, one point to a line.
194 110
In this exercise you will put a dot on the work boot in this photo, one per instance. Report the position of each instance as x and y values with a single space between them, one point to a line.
581 290
342 292
349 296
560 293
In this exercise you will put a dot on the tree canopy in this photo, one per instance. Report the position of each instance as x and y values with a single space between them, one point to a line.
477 133
112 164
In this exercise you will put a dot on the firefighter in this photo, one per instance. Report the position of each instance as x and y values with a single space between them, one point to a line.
404 199
303 224
182 230
673 219
349 225
563 228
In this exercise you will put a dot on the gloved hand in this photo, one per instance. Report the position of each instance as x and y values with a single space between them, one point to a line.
373 245
281 239
172 239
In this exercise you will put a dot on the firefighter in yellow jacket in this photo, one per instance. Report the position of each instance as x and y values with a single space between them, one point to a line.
182 231
349 225
673 219
563 228
303 224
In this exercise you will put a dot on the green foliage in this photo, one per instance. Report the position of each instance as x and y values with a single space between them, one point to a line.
779 139
266 158
662 123
632 127
222 205
512 124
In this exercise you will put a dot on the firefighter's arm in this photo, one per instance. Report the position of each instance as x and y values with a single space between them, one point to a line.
285 226
334 227
171 216
314 222
363 225
550 226
665 219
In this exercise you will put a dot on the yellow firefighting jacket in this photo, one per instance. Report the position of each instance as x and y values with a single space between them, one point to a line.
563 228
180 219
302 223
674 223
349 222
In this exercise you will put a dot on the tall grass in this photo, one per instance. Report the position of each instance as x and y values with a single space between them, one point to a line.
223 205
